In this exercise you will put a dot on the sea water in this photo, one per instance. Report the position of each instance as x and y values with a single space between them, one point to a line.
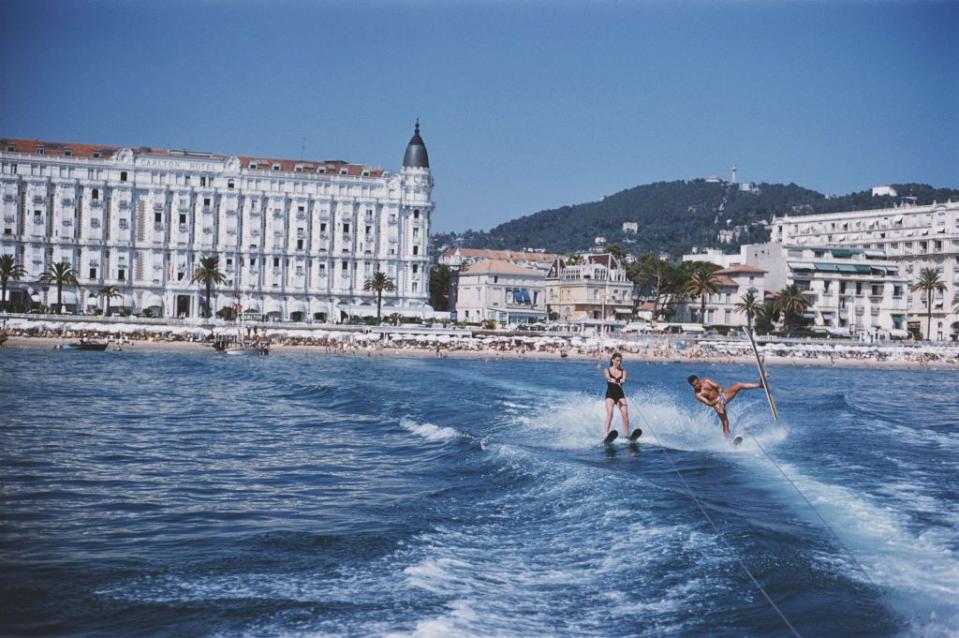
185 494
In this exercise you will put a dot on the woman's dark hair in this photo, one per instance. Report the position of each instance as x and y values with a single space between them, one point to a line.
615 354
692 378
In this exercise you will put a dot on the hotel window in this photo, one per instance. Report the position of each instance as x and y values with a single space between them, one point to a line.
276 167
369 230
93 273
416 250
39 150
346 265
123 176
124 224
416 214
96 155
252 262
202 180
346 228
182 218
158 218
416 268
206 202
322 228
299 244
37 217
121 274
343 171
11 148
67 152
276 262
230 183
95 195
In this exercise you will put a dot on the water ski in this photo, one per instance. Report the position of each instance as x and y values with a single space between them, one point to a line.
610 437
762 376
635 434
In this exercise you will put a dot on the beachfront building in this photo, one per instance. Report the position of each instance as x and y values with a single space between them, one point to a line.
735 281
589 289
295 239
914 237
458 257
851 291
500 291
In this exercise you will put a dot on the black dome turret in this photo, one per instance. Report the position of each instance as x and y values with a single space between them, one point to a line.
416 156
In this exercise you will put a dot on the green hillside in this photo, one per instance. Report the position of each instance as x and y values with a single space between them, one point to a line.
675 216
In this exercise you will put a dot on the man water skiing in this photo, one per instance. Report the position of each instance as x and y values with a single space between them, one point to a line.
712 394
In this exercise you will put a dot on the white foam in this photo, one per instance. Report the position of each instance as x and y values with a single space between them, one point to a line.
428 431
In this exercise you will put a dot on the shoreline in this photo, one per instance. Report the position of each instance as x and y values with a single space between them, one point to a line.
147 345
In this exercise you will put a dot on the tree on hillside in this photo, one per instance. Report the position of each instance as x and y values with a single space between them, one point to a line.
61 274
749 304
703 281
791 304
9 270
379 283
440 279
930 282
616 251
208 273
106 293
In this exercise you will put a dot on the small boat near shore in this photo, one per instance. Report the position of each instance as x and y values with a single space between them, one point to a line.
97 346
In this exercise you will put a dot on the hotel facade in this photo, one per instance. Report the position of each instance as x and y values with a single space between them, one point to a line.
295 239
913 237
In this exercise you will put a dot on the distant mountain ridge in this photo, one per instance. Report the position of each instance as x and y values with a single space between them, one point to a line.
676 216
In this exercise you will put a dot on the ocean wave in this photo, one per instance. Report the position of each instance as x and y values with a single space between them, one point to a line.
429 431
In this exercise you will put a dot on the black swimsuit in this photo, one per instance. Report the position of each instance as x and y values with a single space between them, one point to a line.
613 390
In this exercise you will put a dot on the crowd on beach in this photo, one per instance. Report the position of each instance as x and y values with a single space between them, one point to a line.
465 343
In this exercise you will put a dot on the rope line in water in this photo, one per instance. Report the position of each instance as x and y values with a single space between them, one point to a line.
816 511
709 518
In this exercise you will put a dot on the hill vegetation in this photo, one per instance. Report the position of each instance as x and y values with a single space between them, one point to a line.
676 216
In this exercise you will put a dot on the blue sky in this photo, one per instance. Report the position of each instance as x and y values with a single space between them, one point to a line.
524 105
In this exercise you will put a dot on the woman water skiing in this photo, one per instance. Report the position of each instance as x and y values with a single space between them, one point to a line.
615 378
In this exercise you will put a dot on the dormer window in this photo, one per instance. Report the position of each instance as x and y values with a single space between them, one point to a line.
96 154
11 148
298 168
321 170
343 171
276 167
253 165
39 150
67 152
366 173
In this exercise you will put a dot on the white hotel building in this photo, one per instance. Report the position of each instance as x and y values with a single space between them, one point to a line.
914 237
296 239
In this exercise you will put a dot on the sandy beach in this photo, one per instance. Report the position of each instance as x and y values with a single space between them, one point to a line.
690 355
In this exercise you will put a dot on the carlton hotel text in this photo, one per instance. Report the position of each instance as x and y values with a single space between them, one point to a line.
295 239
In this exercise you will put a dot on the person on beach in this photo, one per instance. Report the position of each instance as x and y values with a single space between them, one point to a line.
712 394
615 378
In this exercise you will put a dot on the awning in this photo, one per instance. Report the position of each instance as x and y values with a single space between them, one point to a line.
877 254
842 252
801 265
827 268
846 268
151 300
271 306
296 305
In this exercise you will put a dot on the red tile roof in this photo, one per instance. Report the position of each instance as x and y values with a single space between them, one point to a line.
60 149
500 267
503 255
736 269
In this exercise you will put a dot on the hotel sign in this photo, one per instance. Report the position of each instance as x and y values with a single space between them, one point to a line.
176 164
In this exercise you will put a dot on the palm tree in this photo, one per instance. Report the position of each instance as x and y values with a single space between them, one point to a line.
929 282
9 269
702 282
62 274
208 273
379 283
749 304
791 303
107 293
